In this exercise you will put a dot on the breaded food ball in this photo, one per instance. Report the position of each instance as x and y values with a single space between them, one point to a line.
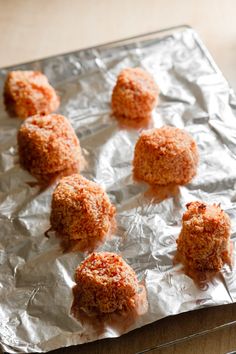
105 283
134 95
204 241
27 93
81 212
48 147
166 155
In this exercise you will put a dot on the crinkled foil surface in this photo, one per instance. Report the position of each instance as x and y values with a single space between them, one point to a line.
36 277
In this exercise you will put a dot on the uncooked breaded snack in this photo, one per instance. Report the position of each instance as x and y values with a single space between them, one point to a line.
81 213
48 147
204 241
28 93
134 95
166 155
105 283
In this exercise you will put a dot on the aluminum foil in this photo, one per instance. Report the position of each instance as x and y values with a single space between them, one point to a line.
36 277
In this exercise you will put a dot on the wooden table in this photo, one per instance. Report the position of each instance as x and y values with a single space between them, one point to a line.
31 29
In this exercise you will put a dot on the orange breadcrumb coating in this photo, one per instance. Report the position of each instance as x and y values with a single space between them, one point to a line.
27 93
81 212
105 283
134 95
204 241
48 147
165 155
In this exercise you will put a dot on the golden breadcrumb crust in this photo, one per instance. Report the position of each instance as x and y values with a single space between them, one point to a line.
165 155
105 283
27 93
134 95
81 212
204 241
48 147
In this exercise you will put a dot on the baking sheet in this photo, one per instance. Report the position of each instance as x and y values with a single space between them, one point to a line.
36 277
